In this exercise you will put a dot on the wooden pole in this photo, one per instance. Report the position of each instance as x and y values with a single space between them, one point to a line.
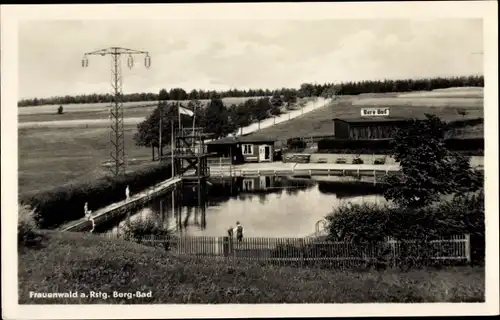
230 160
179 114
467 248
160 143
172 162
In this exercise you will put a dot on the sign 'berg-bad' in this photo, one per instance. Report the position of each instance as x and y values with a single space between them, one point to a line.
370 112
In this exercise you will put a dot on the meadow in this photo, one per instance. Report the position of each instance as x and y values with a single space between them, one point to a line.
51 157
81 262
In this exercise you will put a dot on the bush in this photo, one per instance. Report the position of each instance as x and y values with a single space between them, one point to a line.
26 225
62 204
379 161
149 227
296 144
370 222
357 160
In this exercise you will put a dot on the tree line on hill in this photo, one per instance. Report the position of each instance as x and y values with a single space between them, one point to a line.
216 118
305 90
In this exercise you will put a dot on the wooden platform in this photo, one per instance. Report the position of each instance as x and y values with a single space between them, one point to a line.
116 209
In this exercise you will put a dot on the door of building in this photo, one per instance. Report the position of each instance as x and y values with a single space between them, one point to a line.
262 153
267 153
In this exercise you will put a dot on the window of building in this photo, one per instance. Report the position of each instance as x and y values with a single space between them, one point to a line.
247 149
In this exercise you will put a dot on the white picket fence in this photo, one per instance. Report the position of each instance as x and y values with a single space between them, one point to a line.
310 250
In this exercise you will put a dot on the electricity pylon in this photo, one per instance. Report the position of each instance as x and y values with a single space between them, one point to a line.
117 136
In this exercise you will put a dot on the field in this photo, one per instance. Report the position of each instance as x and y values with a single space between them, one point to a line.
98 110
83 263
319 122
50 157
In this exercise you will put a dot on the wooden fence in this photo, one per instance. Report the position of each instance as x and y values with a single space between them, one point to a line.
314 251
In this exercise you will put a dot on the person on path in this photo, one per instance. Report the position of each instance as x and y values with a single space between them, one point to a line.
88 215
127 192
239 232
86 211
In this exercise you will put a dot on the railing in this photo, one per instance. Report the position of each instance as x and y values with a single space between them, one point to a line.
225 171
310 251
190 150
220 162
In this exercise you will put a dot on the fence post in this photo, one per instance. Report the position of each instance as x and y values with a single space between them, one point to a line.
301 258
225 246
467 247
390 241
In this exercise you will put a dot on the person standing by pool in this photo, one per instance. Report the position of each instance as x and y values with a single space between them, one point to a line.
239 232
127 192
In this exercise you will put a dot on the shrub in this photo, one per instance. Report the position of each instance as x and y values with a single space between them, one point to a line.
296 144
149 227
369 222
357 160
26 225
62 204
379 161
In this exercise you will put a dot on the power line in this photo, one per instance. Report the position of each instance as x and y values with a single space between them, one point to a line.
117 134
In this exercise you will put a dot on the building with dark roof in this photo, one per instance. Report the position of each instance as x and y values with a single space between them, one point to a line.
250 148
367 128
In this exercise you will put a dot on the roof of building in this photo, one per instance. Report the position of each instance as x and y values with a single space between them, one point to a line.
225 140
243 139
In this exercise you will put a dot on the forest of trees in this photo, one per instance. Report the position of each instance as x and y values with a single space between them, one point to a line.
305 90
216 118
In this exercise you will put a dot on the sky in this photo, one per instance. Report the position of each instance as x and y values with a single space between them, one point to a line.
223 54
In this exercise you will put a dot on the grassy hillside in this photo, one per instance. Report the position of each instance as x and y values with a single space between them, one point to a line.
84 263
319 122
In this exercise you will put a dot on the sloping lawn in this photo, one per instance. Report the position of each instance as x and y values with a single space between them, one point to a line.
83 263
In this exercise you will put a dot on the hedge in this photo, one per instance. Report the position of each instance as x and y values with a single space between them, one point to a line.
59 205
368 146
296 143
465 123
473 146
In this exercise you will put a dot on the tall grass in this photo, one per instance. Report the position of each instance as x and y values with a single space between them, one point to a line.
62 204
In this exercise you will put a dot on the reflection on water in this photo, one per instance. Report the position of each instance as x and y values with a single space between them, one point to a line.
266 206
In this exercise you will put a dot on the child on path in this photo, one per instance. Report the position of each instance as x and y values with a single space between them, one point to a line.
127 192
